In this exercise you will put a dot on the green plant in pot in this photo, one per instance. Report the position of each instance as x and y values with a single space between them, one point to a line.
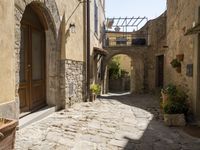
95 90
175 108
168 90
175 63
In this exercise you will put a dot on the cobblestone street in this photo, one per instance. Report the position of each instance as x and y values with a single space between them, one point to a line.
110 123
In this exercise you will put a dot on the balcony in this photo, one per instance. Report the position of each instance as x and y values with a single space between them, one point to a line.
125 40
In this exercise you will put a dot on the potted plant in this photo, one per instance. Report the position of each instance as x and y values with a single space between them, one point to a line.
168 90
175 108
95 90
175 63
7 133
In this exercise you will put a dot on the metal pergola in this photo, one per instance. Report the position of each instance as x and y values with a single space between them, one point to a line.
125 24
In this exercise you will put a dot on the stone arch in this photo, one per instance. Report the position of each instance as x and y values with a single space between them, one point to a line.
48 7
137 71
49 14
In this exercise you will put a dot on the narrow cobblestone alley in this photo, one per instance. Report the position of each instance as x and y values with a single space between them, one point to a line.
110 123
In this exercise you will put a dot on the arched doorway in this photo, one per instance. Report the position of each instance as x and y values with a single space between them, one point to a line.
137 78
120 69
32 86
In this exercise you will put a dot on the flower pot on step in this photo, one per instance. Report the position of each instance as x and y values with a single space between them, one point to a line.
93 97
174 119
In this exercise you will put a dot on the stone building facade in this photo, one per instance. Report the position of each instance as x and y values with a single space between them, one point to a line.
43 44
183 16
147 59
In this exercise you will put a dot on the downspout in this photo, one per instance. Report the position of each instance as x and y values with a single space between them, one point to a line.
88 52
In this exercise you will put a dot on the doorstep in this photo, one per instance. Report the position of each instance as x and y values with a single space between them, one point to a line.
35 116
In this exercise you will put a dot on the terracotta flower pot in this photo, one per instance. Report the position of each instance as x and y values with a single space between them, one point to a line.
174 119
7 134
180 57
93 97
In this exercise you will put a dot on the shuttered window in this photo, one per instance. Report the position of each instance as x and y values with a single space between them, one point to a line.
96 17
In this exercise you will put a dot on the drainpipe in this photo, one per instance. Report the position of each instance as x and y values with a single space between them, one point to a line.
88 51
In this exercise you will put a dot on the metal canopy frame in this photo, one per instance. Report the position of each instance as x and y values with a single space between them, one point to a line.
127 24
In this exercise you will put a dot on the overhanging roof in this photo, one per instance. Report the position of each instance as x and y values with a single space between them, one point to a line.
126 24
100 51
193 30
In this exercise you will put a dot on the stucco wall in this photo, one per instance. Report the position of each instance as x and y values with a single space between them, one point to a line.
7 73
125 62
74 47
96 38
74 42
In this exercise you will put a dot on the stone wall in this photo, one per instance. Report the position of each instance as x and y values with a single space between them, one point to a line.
119 85
180 18
183 15
72 82
144 57
157 43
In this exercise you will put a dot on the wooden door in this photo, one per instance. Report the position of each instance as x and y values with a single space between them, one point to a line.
24 87
32 93
160 71
37 69
32 69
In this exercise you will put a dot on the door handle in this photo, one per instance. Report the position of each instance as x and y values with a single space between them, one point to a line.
28 67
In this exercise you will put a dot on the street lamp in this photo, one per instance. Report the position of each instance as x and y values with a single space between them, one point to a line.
72 27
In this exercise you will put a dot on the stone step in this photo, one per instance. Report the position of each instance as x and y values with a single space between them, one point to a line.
35 116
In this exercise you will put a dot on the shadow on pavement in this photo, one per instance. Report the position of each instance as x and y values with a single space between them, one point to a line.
146 102
156 136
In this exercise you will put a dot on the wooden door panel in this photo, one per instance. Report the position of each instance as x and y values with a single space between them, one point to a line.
38 94
24 86
160 71
24 96
37 55
38 70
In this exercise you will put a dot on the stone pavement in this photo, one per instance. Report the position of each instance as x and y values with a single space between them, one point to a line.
110 123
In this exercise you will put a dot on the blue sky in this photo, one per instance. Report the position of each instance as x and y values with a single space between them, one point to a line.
130 8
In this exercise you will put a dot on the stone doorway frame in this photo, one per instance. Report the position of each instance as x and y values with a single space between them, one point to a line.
50 15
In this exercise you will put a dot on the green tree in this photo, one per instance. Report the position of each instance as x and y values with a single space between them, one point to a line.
114 68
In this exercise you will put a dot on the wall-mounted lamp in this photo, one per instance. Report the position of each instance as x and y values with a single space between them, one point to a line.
72 27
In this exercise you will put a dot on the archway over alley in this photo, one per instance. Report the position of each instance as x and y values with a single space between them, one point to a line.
137 68
119 73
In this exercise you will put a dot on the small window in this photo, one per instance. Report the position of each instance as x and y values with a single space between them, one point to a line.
96 17
121 41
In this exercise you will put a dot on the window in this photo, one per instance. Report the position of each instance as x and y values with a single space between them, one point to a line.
121 41
95 17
